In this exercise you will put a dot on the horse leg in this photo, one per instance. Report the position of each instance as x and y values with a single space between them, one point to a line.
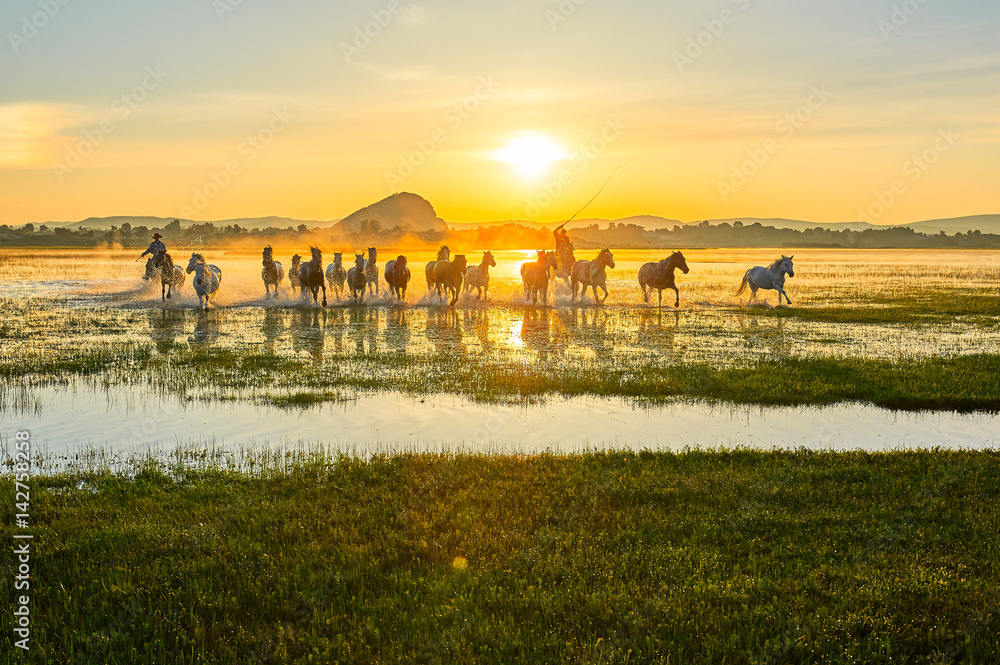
782 293
677 302
324 294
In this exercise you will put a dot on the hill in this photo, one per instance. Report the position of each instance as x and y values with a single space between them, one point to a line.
404 211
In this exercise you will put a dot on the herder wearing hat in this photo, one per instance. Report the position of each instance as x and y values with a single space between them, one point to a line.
157 249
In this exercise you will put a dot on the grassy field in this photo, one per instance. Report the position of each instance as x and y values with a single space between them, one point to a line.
699 557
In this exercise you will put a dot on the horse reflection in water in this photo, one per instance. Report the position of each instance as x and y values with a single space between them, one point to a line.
477 324
397 330
655 331
363 329
308 334
165 326
586 327
536 332
769 339
444 331
206 330
272 327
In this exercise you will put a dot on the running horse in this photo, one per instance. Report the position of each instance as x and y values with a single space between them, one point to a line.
293 273
336 275
356 278
272 272
371 270
772 277
311 276
535 277
591 274
660 275
206 278
444 254
478 277
448 277
397 276
171 276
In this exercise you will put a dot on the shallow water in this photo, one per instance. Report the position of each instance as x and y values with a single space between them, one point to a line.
59 302
127 421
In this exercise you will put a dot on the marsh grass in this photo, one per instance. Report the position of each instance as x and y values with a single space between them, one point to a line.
701 557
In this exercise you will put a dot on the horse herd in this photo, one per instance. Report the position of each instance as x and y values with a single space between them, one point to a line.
446 277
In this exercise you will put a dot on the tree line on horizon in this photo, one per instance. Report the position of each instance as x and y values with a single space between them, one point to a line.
506 236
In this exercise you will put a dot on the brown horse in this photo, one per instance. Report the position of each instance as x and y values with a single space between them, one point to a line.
443 255
448 276
591 274
535 276
311 276
171 276
356 278
397 276
660 276
478 277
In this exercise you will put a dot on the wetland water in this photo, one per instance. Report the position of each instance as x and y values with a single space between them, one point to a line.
73 306
123 420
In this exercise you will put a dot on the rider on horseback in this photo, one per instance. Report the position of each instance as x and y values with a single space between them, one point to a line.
157 249
564 249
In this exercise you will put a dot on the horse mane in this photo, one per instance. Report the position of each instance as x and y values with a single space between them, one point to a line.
442 252
199 257
168 262
774 266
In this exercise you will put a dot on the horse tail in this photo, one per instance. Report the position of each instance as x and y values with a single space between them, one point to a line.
743 284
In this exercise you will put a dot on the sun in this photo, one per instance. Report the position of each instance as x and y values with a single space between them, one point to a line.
531 155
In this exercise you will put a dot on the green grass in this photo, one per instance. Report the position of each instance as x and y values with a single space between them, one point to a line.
700 557
978 309
964 383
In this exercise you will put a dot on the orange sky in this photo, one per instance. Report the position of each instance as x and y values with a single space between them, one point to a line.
730 108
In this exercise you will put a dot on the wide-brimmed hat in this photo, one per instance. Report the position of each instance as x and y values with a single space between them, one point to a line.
157 236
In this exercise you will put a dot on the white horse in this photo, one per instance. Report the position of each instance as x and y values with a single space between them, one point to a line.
336 275
206 278
772 277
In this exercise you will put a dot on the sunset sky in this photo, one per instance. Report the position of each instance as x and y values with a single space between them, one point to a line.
500 110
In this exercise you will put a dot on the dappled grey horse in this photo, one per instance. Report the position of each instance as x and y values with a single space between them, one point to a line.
772 277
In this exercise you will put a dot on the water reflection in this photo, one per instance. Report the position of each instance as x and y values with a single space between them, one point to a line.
769 337
165 326
206 330
444 330
308 333
397 330
272 327
656 330
536 331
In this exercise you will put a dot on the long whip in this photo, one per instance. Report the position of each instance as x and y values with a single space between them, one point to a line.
595 195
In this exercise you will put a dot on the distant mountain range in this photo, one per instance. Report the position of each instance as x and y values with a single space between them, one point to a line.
411 212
